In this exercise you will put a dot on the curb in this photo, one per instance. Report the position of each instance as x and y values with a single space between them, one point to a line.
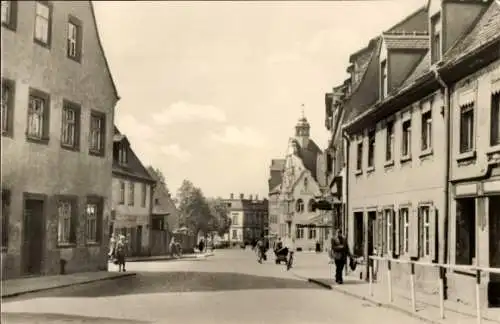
159 258
67 285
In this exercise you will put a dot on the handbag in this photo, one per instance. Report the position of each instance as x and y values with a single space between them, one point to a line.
352 263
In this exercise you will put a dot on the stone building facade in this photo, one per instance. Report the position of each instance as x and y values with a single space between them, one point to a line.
58 100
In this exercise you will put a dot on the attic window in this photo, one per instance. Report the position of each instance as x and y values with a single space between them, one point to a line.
122 154
383 79
436 38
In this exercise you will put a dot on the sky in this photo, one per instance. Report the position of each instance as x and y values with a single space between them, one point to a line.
211 91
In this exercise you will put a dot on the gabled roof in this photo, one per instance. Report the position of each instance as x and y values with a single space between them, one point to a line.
309 157
102 50
134 168
409 23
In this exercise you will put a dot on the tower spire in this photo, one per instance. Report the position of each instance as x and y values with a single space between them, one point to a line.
302 110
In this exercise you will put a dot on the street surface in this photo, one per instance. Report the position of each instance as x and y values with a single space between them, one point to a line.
230 287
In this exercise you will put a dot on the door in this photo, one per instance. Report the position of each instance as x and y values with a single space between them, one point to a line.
33 236
138 241
494 232
372 219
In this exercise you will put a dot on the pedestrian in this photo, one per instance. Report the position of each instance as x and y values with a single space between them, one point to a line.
121 252
201 245
289 243
340 251
112 246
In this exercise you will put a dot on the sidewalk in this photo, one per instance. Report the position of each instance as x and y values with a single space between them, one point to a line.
168 257
16 287
317 270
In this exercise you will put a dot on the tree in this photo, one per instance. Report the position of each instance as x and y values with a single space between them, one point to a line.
193 207
220 222
157 175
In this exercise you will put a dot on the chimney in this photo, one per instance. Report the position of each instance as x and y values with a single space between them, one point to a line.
242 196
251 197
231 195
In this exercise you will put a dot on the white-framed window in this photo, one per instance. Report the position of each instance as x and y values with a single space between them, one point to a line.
495 119
69 126
436 38
73 39
359 156
406 140
371 148
425 231
389 231
122 154
299 207
64 211
97 133
42 22
312 233
427 130
122 192
6 12
131 193
91 212
299 233
389 144
234 219
143 194
7 103
383 79
467 128
405 229
36 111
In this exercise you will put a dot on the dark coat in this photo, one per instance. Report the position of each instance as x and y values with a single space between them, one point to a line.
340 248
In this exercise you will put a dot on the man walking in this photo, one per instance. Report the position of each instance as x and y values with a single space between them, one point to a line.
340 254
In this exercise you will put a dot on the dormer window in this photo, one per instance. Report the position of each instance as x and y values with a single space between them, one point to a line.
436 38
383 79
122 154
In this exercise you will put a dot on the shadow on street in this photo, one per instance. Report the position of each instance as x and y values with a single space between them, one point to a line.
164 282
26 318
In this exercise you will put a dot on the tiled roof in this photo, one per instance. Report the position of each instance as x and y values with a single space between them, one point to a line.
421 68
486 30
309 156
406 42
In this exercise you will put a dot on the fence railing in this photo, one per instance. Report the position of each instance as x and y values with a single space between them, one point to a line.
441 267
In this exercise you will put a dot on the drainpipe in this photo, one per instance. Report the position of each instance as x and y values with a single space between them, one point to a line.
346 175
448 136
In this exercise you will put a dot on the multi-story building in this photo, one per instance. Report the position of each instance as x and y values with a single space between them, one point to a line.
249 218
132 192
275 209
58 100
299 191
421 156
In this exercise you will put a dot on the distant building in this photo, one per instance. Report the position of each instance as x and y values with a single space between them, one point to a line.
275 209
249 218
132 193
58 100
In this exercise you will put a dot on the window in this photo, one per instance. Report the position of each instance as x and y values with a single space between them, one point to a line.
359 157
427 131
43 22
122 193
74 39
157 201
97 132
405 230
495 119
305 183
299 233
234 219
390 230
9 14
371 148
70 125
312 234
235 234
122 154
38 115
465 248
436 38
66 225
310 205
93 213
143 195
131 193
424 231
5 218
389 141
7 106
466 128
406 142
299 207
383 79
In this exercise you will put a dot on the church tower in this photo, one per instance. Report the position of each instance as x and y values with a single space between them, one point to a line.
302 131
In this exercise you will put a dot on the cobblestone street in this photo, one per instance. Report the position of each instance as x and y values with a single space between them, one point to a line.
230 287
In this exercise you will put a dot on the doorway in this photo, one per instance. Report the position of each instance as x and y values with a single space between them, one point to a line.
494 233
358 234
372 219
33 235
139 240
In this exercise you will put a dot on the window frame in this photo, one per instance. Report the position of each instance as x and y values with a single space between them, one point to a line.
406 228
495 117
384 79
131 193
389 141
436 37
426 138
6 214
122 193
97 115
359 157
8 86
45 119
46 44
11 23
97 201
372 138
73 219
77 23
76 108
144 195
465 109
406 137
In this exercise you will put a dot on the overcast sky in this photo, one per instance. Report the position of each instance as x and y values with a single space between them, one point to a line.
211 91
